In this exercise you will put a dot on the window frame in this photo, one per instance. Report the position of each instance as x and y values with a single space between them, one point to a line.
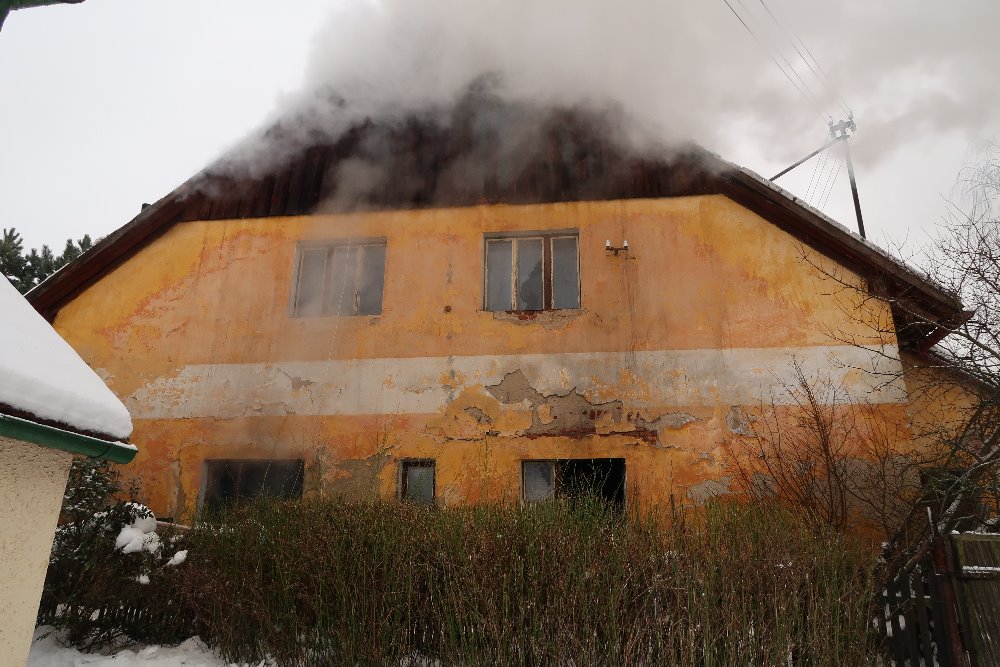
330 246
403 467
548 272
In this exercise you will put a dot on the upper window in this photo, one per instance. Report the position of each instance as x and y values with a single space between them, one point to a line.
340 279
533 272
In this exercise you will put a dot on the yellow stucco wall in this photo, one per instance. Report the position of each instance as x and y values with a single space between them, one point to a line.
941 405
32 481
673 342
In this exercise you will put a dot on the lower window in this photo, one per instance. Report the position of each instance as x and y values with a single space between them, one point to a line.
416 481
574 478
229 481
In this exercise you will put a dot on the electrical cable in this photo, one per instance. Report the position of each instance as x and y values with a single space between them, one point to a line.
823 195
815 98
826 78
817 170
820 75
833 182
819 110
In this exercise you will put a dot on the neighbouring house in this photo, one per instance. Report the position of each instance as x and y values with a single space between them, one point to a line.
480 306
52 406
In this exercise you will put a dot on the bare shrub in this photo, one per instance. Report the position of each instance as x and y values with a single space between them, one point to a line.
839 462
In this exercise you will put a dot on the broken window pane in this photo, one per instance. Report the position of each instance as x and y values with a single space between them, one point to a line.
418 481
499 256
309 295
538 479
529 274
565 273
373 280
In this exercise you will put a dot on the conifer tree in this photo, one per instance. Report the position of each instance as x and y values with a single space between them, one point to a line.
12 262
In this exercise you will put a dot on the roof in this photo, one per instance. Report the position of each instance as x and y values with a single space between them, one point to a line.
47 384
486 151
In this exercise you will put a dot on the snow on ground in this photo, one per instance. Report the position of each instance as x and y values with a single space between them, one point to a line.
48 651
44 376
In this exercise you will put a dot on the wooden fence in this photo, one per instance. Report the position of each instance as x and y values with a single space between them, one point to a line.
943 607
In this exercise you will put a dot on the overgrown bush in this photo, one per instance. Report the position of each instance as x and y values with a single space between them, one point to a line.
103 583
331 582
326 581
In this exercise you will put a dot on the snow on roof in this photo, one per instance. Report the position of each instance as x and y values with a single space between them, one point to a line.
40 374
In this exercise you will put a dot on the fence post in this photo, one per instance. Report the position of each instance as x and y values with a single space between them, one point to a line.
945 571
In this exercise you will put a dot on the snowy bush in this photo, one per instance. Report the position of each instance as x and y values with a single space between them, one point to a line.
107 561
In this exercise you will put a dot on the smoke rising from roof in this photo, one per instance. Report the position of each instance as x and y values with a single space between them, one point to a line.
673 72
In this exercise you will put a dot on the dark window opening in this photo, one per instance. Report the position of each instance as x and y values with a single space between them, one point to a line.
574 478
537 272
416 481
340 279
230 481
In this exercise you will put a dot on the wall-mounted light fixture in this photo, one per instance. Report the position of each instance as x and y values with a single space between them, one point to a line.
610 248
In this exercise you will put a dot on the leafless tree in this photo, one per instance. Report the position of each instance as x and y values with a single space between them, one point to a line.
954 385
835 459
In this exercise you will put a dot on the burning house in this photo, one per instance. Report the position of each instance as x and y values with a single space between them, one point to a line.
491 306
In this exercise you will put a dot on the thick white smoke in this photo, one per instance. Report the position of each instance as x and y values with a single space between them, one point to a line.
670 65
674 71
682 69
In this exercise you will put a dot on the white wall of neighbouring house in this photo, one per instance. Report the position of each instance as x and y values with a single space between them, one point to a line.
32 481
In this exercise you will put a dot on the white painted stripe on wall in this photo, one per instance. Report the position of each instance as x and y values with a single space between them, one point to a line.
647 379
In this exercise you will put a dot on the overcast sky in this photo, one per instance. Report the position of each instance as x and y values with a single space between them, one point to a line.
113 103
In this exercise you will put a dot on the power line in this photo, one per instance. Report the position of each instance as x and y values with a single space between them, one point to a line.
820 75
819 109
840 100
791 67
818 171
824 194
829 192
812 177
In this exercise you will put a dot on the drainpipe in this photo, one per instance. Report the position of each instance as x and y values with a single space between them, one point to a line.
25 430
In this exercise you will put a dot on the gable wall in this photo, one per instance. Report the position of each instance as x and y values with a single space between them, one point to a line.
674 342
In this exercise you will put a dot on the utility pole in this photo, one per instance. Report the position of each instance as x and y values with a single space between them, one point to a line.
840 131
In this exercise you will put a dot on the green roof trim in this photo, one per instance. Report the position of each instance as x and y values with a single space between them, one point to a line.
67 441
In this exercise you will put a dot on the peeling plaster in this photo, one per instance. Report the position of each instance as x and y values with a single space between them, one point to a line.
710 488
548 319
671 420
477 414
738 422
569 414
